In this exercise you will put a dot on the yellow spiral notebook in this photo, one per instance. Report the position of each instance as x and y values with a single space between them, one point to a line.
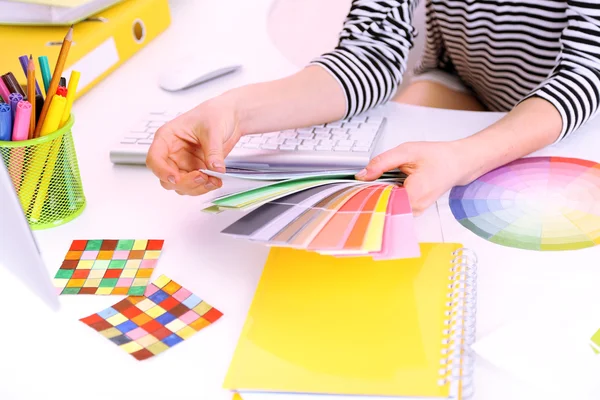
354 328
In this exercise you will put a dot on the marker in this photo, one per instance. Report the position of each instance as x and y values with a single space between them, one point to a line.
45 69
4 92
14 99
62 82
24 60
61 91
12 84
22 118
5 122
31 94
71 91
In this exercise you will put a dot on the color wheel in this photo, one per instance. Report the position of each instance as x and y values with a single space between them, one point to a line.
537 203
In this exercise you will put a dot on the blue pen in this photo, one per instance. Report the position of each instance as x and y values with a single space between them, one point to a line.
24 60
5 122
14 99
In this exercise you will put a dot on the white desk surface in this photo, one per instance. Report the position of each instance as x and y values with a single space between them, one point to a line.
54 356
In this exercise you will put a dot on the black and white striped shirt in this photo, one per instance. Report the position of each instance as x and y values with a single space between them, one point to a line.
504 50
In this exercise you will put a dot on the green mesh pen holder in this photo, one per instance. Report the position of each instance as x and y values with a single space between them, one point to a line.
45 174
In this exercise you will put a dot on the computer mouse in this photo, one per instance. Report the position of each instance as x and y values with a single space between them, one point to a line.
187 73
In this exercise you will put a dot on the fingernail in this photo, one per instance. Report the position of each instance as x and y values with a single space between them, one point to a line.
199 180
218 164
362 173
210 186
171 179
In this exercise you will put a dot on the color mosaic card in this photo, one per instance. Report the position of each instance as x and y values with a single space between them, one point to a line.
145 326
104 267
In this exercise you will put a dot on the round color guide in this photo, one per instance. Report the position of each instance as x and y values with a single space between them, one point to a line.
537 203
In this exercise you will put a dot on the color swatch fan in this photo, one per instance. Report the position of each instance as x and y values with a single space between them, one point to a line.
537 203
327 214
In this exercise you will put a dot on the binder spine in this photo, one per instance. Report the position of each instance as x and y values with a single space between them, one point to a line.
457 357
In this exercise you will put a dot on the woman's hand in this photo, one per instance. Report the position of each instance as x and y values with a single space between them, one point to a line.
199 139
433 168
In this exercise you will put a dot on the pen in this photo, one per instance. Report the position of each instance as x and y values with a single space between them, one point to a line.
12 84
25 65
31 95
45 69
5 122
58 70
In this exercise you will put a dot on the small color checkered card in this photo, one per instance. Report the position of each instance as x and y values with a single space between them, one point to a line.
145 326
108 267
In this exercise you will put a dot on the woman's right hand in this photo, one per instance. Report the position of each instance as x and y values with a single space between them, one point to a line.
199 139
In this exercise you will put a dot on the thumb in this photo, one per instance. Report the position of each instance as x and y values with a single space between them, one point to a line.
212 147
382 163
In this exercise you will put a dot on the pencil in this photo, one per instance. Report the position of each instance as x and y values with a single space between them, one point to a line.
31 93
58 70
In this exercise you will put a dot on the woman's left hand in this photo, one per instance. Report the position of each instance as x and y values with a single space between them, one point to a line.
433 168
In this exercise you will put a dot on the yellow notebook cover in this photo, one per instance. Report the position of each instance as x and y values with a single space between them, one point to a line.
99 46
352 326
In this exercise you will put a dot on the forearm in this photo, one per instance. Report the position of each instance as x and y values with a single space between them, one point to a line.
309 97
530 126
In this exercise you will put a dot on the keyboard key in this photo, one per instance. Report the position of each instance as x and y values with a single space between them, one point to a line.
360 149
156 124
374 120
139 127
337 124
322 130
310 142
323 148
305 130
363 143
359 118
244 139
329 143
251 145
277 140
345 143
341 131
288 135
257 140
305 135
341 148
269 146
287 147
292 141
145 141
306 147
151 130
353 125
324 136
128 141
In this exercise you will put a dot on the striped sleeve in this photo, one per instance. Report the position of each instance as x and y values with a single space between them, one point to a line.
574 86
372 51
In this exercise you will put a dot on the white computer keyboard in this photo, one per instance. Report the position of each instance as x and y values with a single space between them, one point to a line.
341 144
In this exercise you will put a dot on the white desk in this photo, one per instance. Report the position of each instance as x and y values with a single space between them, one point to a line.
54 356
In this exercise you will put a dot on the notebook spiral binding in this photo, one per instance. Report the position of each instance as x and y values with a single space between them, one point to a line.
457 357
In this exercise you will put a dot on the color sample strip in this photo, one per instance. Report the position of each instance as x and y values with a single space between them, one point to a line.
336 231
263 194
304 230
105 267
595 342
399 237
548 204
268 231
145 326
266 214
